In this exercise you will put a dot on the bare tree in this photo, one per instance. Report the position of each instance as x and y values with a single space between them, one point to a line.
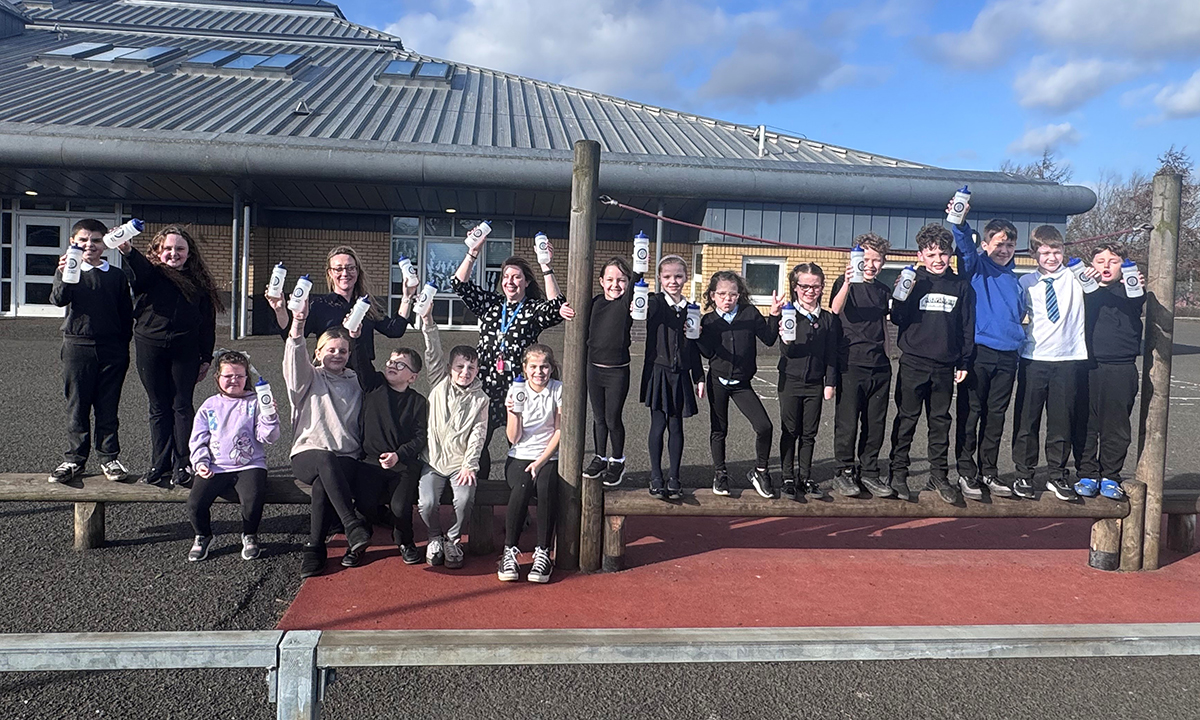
1045 168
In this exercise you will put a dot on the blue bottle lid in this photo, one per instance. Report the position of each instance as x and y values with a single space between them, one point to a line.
1128 263
366 298
640 283
304 277
538 235
519 379
641 236
261 381
280 265
138 224
856 248
964 190
1073 262
693 305
910 267
788 306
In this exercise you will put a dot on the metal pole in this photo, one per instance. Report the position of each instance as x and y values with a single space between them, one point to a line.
658 240
1156 363
245 301
580 514
235 266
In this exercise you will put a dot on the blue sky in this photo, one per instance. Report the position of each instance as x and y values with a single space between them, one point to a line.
1106 84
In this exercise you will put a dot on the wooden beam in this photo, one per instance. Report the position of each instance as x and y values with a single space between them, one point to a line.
1181 533
1133 526
89 525
1106 544
614 543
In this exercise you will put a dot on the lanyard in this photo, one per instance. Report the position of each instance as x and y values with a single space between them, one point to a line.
506 322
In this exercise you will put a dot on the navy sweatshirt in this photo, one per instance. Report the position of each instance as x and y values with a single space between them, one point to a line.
813 358
999 300
1113 324
732 348
391 421
609 328
937 321
863 341
163 315
328 310
99 307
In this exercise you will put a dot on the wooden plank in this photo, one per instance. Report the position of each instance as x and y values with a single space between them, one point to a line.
89 525
1181 502
703 503
614 543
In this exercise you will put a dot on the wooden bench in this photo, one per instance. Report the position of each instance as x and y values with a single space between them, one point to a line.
1113 532
91 493
1180 507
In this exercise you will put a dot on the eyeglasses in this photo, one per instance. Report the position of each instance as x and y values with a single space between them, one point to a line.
810 288
232 377
398 365
727 295
340 269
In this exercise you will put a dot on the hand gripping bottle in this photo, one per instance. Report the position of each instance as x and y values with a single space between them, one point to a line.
907 277
477 235
409 271
354 320
300 293
424 300
641 253
266 401
275 285
787 323
1133 284
691 326
517 392
857 264
74 267
641 300
541 246
958 206
125 233
1089 283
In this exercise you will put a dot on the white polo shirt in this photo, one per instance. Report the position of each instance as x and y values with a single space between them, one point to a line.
537 422
1053 341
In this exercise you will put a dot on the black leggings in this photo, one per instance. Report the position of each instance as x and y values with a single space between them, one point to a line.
661 423
251 485
331 477
799 418
718 414
523 489
607 389
396 487
169 376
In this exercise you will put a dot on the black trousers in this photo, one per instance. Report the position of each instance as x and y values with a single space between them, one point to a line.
983 400
169 376
93 376
921 386
607 389
671 425
374 486
332 478
860 418
747 402
251 486
1050 386
522 489
799 420
485 457
1109 395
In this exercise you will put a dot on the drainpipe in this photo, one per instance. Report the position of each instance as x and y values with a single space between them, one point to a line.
762 140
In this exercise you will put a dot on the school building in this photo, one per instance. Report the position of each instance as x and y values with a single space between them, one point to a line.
277 129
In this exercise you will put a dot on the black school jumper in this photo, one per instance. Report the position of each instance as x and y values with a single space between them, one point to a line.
937 337
860 416
806 367
670 370
732 350
330 309
608 370
95 357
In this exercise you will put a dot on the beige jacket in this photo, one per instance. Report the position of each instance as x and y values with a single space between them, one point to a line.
325 407
457 416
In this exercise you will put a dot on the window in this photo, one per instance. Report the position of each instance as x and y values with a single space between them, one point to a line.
113 54
433 71
210 58
78 50
245 62
281 61
150 56
763 277
399 69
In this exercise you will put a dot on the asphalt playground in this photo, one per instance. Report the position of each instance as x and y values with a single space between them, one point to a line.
141 581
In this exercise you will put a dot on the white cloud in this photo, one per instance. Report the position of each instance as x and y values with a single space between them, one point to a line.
1144 29
1065 87
769 65
1038 140
1180 100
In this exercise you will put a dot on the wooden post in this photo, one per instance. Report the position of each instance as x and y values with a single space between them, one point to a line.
614 543
1132 526
1106 544
89 525
1156 363
580 507
482 540
1181 533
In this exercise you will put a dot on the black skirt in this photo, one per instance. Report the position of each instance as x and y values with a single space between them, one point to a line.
669 391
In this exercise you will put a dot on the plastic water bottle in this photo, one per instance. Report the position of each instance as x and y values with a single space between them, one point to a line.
354 320
1133 284
908 276
424 299
639 308
518 393
641 253
958 206
787 323
300 293
275 286
691 326
477 235
125 233
858 263
266 401
409 271
541 246
1076 266
74 267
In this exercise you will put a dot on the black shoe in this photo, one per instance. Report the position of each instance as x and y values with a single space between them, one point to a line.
877 487
353 558
845 485
946 490
995 486
312 560
1061 487
1023 487
66 472
656 489
761 480
971 487
358 536
182 477
595 467
812 489
721 484
674 489
789 489
614 473
899 485
153 476
411 555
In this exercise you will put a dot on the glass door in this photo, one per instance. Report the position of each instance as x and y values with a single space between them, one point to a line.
41 240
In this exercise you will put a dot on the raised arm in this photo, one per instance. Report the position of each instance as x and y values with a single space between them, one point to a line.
435 359
841 290
964 247
368 377
297 370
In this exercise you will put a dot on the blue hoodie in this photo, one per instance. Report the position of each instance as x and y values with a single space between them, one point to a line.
998 297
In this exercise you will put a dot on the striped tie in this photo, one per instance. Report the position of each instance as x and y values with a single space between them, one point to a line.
1051 300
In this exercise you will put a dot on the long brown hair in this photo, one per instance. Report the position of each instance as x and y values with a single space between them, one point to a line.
194 279
533 290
